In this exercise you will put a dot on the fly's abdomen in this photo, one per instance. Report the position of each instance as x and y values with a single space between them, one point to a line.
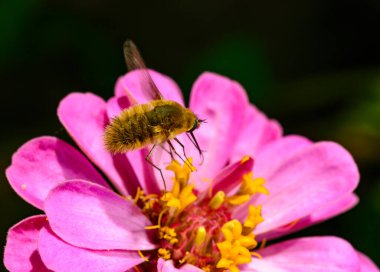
130 130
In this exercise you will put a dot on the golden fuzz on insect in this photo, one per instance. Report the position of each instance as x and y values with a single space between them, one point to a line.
151 123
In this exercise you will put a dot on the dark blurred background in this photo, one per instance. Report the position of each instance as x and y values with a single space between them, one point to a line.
313 65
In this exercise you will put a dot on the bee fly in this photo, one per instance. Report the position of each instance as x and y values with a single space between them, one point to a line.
155 122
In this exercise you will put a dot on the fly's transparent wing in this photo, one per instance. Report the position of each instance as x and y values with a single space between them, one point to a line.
134 61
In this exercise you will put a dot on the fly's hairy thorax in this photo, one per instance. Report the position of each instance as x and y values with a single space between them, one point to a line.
154 122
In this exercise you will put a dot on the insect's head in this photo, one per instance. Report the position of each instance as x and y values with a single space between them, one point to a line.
197 123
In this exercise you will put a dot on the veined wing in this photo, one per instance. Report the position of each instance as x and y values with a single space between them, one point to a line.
134 61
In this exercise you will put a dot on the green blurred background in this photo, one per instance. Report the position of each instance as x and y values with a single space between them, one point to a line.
313 65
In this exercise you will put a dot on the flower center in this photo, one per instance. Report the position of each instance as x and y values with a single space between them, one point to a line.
197 228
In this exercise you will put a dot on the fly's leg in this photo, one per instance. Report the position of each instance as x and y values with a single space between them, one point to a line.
168 151
147 158
193 140
182 146
172 149
179 156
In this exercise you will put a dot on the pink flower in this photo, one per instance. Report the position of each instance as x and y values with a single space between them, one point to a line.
206 220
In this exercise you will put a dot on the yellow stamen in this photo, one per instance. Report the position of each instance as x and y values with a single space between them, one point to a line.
238 199
187 196
164 253
254 217
168 234
232 231
136 269
293 223
184 259
171 200
210 189
256 255
176 188
137 196
182 172
189 161
252 185
152 227
129 198
184 199
217 200
207 268
151 196
233 254
142 256
233 268
201 236
181 194
245 158
174 166
248 241
160 216
263 243
148 205
224 263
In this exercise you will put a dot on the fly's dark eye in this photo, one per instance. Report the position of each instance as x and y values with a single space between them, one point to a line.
195 125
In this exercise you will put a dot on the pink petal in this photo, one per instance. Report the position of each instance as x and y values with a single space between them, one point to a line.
20 253
316 175
84 117
314 254
366 264
142 169
130 85
60 256
167 266
232 175
42 163
321 214
272 156
93 217
257 132
223 103
115 105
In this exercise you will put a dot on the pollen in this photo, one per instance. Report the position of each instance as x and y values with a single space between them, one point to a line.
164 253
168 234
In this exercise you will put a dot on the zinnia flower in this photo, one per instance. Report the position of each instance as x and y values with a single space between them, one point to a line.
254 185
